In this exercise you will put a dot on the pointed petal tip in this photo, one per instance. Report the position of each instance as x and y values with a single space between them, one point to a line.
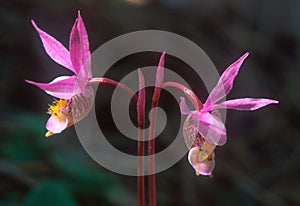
241 60
141 95
141 77
35 25
243 57
162 60
79 18
30 82
162 57
160 71
272 101
32 22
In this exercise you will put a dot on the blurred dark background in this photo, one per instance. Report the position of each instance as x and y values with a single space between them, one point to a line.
259 165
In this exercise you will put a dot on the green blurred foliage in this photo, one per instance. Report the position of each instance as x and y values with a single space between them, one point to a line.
36 174
49 194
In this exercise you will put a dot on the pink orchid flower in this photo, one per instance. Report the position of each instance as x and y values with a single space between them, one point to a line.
76 97
204 130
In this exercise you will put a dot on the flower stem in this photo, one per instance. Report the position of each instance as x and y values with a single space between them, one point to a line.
140 100
189 93
107 81
151 147
151 141
141 145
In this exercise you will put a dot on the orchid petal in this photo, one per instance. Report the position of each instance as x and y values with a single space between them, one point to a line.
183 107
54 48
225 83
211 127
201 167
57 125
85 48
160 71
75 48
63 87
245 104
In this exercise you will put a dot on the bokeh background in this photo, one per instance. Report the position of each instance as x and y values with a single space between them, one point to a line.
259 165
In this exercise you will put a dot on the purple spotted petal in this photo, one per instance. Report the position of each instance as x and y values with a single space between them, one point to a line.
85 48
201 167
245 104
63 87
211 127
225 83
160 71
54 48
75 48
183 107
56 125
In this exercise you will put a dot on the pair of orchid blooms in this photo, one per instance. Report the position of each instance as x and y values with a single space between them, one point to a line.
203 129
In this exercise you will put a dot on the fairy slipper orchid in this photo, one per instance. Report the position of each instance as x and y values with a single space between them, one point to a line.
75 96
203 130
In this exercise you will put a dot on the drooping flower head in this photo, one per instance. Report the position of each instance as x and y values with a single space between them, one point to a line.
75 96
204 130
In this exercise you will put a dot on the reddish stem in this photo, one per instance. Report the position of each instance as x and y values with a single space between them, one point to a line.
107 81
141 144
151 148
140 100
151 144
189 93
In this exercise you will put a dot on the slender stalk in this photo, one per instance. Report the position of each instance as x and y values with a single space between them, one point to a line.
151 148
188 93
140 100
152 129
141 144
107 81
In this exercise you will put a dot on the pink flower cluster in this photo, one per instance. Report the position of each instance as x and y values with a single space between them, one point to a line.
203 128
